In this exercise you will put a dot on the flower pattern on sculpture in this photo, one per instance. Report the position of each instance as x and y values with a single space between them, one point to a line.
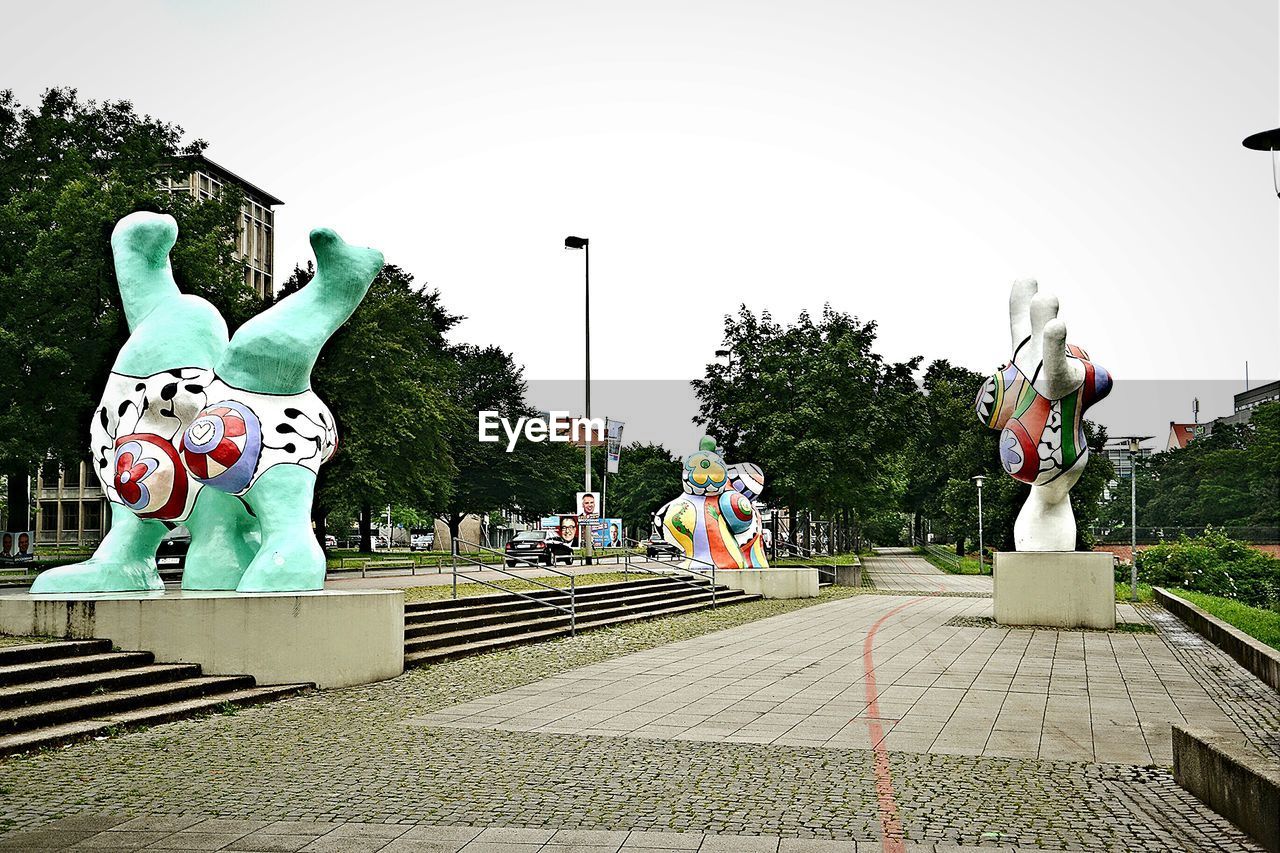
222 445
148 476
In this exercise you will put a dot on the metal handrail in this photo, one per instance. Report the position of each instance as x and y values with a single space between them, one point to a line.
572 609
676 566
809 554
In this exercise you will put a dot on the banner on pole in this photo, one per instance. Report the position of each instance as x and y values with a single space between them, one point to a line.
613 444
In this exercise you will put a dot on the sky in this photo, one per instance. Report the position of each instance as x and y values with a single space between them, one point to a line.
902 161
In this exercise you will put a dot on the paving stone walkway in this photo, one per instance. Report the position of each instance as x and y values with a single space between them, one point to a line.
902 570
859 721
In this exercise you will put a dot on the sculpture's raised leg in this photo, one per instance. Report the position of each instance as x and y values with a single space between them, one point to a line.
275 351
289 557
224 541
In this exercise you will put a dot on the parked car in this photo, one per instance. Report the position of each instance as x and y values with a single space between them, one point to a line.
422 541
656 548
538 546
171 553
331 541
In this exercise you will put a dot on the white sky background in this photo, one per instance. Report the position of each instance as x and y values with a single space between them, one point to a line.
903 161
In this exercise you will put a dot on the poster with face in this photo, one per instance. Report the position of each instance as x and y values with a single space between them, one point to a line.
589 504
569 529
608 533
17 546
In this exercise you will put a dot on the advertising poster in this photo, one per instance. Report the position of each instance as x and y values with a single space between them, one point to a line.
607 533
589 504
567 527
17 547
613 444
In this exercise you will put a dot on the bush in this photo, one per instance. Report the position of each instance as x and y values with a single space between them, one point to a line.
1214 564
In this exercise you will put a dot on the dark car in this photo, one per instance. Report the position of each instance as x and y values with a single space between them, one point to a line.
657 548
171 553
538 546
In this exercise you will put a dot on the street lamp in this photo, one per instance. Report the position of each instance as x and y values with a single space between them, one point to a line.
1134 444
584 244
978 479
1267 140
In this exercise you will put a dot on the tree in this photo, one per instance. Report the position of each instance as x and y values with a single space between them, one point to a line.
69 170
382 375
816 407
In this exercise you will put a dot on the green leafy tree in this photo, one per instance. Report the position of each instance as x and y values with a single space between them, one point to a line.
382 374
69 170
816 407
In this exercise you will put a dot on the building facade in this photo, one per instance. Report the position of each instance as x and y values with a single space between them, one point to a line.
72 510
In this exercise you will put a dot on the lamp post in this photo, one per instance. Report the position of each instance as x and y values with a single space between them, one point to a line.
978 479
584 244
1134 445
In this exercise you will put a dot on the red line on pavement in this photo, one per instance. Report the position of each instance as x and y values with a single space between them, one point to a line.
890 825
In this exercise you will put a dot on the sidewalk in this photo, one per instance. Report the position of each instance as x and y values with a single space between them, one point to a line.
901 569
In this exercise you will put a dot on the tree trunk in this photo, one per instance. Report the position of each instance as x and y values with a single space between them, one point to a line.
18 506
319 519
960 545
366 532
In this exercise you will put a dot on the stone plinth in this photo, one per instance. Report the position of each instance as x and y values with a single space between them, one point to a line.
328 638
849 575
772 583
1061 589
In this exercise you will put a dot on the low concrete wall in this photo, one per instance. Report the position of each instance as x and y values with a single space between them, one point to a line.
327 638
1254 655
775 582
1233 781
1061 589
850 575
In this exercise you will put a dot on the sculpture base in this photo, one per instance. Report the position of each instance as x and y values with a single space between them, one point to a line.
772 583
327 638
1060 589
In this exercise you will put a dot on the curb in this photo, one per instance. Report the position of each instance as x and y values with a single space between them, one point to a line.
1237 784
1254 655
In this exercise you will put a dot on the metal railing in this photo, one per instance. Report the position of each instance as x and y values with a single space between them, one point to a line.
826 574
571 609
628 566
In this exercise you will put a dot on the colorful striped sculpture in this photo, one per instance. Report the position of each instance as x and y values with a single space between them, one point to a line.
714 522
1038 401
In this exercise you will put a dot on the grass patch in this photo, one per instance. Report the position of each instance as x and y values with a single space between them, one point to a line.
953 565
785 561
1124 592
1257 622
24 640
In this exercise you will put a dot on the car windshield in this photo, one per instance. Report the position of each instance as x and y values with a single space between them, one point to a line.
530 535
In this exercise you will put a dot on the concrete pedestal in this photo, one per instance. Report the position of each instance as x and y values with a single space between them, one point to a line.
1061 589
328 638
772 583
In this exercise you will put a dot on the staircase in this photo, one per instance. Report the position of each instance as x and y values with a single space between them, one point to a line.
436 630
54 693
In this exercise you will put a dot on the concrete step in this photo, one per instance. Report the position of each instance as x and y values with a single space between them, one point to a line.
60 711
33 692
111 724
32 652
506 599
421 657
44 670
448 609
467 619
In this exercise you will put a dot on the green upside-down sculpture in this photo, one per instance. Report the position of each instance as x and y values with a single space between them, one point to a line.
223 435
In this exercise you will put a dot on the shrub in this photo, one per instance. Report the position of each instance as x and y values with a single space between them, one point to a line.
1214 564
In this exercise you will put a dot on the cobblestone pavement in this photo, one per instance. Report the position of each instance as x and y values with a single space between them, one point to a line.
901 570
332 761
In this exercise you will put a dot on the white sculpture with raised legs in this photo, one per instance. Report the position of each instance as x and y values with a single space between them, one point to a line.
1038 401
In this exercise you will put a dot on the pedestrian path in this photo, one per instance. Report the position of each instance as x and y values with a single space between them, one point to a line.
811 678
903 570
